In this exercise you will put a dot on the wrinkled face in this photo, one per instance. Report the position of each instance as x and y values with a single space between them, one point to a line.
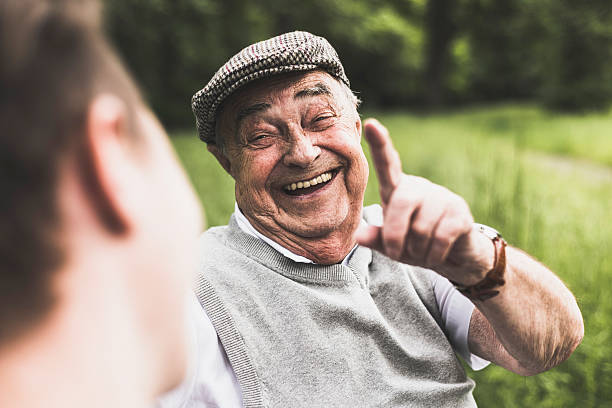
293 148
170 220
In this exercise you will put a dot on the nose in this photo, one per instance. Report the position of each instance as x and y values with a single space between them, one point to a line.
301 151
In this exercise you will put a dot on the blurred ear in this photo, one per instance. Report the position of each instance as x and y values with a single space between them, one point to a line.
221 158
358 126
105 166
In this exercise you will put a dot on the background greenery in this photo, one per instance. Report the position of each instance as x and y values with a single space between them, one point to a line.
538 168
425 54
505 162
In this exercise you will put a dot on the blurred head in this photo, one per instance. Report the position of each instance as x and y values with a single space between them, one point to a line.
89 182
292 144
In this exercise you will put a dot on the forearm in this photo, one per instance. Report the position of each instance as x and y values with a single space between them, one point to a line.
535 318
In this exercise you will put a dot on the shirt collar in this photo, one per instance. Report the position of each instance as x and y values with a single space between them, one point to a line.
247 228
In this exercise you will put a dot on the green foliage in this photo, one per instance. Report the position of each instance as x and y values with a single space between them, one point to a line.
578 54
175 46
505 163
396 52
503 38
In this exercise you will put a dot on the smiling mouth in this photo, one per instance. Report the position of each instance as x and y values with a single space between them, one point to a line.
304 187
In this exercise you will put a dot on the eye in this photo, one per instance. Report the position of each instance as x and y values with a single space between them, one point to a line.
323 117
322 121
259 140
258 136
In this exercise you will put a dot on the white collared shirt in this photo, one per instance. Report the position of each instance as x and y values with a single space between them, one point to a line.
246 227
211 382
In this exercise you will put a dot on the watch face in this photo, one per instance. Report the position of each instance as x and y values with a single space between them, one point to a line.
491 233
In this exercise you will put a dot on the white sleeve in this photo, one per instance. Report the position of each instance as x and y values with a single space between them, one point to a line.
456 312
210 381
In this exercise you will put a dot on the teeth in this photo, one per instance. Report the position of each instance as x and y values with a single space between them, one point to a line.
323 178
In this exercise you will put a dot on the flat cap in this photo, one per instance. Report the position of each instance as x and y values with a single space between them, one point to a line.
290 52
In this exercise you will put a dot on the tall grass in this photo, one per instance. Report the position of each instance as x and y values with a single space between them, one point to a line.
555 208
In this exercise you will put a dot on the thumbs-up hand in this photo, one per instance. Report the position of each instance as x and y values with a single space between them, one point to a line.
424 224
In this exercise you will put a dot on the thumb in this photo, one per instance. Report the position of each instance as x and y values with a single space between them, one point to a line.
370 236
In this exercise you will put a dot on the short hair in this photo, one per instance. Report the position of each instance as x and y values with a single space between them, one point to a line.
54 60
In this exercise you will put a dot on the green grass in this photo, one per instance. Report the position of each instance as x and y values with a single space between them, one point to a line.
585 136
541 179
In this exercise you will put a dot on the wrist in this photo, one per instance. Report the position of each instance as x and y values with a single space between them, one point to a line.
487 252
493 270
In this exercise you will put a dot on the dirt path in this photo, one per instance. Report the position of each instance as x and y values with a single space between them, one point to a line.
569 165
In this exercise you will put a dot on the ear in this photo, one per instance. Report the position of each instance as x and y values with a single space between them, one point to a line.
104 163
221 158
358 126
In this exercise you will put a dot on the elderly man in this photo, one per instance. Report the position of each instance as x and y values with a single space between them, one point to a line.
99 223
319 302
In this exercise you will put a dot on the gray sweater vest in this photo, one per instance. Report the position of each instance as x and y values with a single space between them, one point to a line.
302 335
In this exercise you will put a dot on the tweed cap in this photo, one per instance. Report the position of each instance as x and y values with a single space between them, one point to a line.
290 52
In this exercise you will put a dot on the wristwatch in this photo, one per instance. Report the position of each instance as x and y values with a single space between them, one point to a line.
489 232
488 287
